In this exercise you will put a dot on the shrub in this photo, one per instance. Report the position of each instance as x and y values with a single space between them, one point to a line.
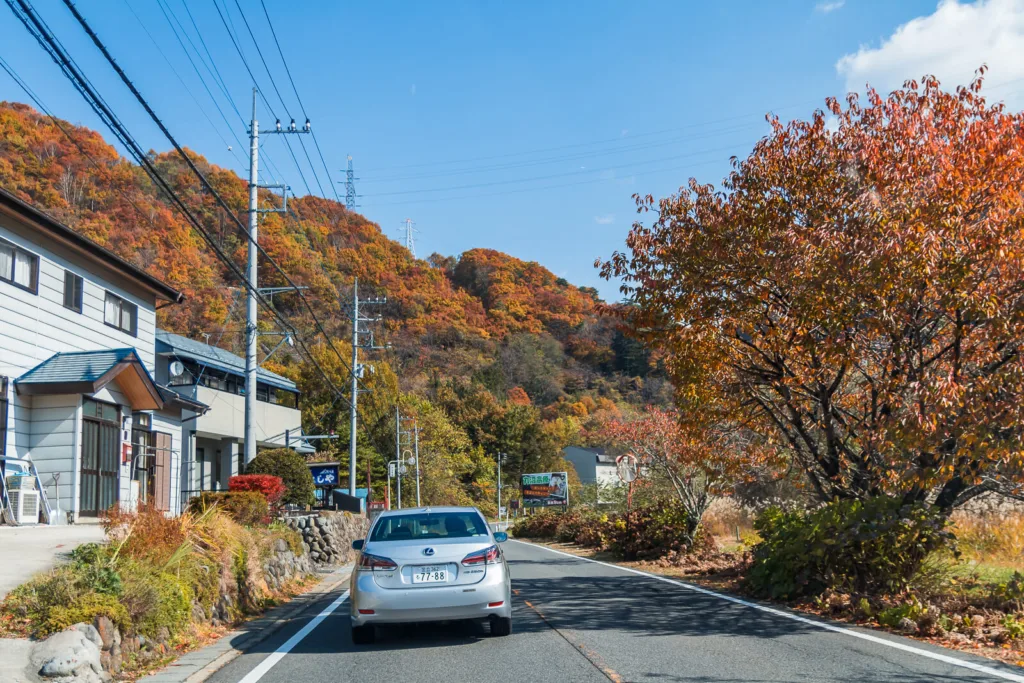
892 616
291 467
654 530
248 508
144 534
851 546
154 599
271 487
83 609
94 565
542 524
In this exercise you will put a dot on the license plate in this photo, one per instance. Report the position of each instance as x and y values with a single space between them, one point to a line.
430 575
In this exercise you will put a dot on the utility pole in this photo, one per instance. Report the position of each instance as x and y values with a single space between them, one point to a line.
358 370
250 309
251 322
398 454
501 456
416 454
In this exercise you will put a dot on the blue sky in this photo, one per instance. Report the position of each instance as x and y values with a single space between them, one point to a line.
520 126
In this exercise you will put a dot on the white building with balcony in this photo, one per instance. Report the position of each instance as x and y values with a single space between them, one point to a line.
212 443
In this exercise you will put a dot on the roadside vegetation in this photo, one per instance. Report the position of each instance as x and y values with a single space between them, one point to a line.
166 583
841 323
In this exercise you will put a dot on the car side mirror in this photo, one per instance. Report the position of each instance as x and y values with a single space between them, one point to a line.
500 536
357 544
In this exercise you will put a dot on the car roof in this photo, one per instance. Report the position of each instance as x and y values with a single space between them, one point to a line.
406 511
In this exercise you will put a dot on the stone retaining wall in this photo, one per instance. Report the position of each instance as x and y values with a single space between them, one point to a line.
328 536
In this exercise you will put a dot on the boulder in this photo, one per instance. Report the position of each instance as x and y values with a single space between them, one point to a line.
107 631
71 656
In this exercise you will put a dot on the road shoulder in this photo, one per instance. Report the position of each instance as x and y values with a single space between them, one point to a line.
966 660
198 665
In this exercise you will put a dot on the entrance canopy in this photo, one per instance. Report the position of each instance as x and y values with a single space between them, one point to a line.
86 372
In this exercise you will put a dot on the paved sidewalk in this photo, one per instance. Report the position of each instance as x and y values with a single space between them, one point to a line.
29 550
201 664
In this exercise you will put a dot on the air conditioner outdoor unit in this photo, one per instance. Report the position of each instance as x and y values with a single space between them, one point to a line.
25 505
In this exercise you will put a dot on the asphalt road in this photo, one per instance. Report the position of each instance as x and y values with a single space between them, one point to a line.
582 621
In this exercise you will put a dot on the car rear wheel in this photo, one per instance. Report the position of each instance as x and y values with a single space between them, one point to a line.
363 635
501 626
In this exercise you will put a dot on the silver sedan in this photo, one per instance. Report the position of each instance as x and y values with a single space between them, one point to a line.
430 564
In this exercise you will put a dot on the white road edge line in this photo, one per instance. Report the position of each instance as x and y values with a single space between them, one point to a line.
277 655
981 668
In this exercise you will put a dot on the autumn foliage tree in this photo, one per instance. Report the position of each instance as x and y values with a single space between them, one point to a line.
693 462
855 294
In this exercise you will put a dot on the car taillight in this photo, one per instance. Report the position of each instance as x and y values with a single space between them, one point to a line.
485 556
367 561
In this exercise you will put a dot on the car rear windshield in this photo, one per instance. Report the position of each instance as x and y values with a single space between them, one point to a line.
429 525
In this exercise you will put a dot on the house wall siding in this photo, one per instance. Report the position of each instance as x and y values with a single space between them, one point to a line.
54 443
36 326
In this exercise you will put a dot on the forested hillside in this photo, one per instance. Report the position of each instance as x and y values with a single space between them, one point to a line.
489 352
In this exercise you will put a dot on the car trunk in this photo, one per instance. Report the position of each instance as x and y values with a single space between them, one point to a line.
417 569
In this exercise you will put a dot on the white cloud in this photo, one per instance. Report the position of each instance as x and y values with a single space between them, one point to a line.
951 43
826 7
606 219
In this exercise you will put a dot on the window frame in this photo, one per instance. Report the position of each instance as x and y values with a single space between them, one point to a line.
9 278
77 294
4 416
121 303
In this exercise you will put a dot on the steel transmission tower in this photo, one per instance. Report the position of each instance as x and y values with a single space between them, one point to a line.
350 186
410 240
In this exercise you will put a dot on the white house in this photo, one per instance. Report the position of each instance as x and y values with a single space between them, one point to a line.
593 465
77 361
212 449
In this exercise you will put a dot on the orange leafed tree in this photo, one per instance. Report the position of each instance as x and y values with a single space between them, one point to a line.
696 462
855 294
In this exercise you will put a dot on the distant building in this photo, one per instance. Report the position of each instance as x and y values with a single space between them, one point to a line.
593 465
78 398
212 443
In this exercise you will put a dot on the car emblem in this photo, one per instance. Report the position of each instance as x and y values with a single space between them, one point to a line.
428 551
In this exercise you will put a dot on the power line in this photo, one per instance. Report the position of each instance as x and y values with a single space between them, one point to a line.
547 177
195 170
185 86
51 45
302 107
546 187
273 84
567 157
168 14
586 144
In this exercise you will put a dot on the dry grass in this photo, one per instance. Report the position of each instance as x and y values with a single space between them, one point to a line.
994 539
731 524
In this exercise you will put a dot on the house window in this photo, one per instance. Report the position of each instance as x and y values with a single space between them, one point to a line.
72 291
121 314
18 267
3 416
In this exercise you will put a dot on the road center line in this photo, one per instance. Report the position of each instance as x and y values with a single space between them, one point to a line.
277 655
981 668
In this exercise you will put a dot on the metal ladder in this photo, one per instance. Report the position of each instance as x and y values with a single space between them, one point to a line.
6 511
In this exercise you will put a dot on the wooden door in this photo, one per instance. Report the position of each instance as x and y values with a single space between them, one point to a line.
162 472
